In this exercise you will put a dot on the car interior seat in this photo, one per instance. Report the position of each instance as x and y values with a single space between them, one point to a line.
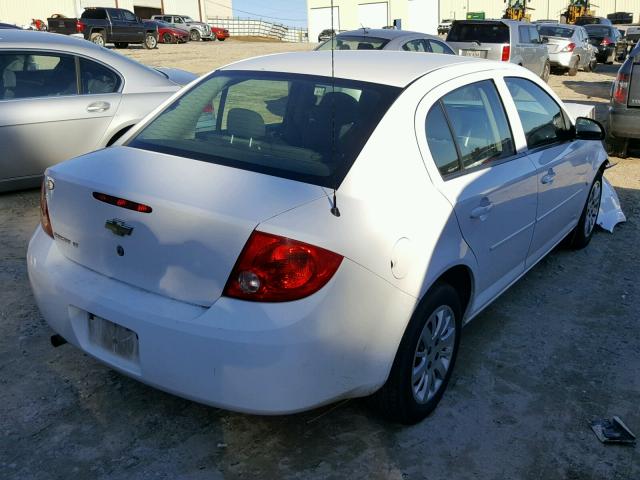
245 124
7 84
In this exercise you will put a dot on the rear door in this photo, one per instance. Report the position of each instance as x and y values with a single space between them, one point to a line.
540 53
525 48
562 164
491 187
46 115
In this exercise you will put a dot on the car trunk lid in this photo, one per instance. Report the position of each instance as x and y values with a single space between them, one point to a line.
185 248
556 44
634 83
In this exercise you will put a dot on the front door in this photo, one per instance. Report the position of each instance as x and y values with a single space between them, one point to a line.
561 164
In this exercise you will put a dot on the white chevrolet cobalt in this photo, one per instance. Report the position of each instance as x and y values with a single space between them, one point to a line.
274 238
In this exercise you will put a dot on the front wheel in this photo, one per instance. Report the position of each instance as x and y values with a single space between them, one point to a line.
194 36
584 230
167 38
150 42
425 358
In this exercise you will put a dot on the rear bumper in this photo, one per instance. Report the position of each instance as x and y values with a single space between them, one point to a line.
605 53
561 60
625 122
252 357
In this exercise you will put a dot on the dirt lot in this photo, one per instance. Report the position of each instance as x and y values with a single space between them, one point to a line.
559 348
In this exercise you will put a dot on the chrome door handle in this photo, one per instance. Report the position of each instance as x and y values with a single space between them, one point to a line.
99 107
482 211
548 178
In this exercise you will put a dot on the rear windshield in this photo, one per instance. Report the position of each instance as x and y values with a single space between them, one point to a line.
597 30
555 31
96 14
479 32
302 127
358 42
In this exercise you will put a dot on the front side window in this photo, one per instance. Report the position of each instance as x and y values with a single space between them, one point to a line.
358 42
541 117
32 75
441 144
96 78
177 20
301 127
479 124
128 16
533 35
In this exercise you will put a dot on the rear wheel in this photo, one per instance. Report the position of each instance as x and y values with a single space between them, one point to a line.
194 35
425 358
150 41
618 147
573 67
97 38
584 230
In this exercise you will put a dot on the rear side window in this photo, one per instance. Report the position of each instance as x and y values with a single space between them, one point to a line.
479 124
534 35
301 127
95 14
35 74
417 45
481 32
439 47
96 78
525 36
359 42
541 117
440 141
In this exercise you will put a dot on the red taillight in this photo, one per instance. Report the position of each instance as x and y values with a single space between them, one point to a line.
45 221
621 88
569 48
606 42
121 202
277 269
80 26
506 53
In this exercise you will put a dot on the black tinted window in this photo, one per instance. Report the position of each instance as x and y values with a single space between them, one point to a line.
30 75
441 145
541 117
598 31
95 14
418 45
97 78
293 126
360 42
481 32
479 123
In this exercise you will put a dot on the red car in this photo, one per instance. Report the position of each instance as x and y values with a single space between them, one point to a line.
169 34
220 33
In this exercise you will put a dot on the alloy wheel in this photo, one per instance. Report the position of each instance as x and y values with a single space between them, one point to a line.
434 353
593 207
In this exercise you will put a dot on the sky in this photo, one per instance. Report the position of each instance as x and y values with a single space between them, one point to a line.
288 12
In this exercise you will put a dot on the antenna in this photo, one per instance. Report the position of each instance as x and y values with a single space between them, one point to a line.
334 209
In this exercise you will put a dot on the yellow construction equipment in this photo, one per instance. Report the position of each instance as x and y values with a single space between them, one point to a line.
517 10
577 8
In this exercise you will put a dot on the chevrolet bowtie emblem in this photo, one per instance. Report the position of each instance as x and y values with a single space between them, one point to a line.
118 227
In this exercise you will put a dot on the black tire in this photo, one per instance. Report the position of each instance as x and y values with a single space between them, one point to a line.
97 38
573 67
618 147
581 235
593 65
167 38
194 35
396 399
222 39
121 44
150 41
546 71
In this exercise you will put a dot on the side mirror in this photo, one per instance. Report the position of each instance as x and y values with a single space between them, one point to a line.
589 129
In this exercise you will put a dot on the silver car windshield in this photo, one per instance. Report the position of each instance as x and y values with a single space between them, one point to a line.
302 127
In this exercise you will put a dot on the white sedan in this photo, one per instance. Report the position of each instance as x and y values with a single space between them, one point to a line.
273 239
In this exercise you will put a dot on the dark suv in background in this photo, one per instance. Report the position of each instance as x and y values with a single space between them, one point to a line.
605 38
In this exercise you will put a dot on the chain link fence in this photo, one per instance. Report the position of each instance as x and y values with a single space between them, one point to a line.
259 28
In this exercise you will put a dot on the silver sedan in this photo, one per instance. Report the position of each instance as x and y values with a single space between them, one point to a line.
61 97
388 39
569 48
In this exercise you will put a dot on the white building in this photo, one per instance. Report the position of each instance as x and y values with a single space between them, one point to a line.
424 15
21 12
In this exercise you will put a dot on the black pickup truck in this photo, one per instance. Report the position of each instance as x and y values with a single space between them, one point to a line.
107 25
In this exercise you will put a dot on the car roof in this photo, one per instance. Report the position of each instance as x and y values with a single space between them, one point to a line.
133 72
386 33
387 67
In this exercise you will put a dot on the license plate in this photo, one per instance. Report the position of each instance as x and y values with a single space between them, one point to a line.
474 53
113 338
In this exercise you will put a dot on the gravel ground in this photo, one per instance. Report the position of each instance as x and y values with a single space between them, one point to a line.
559 348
